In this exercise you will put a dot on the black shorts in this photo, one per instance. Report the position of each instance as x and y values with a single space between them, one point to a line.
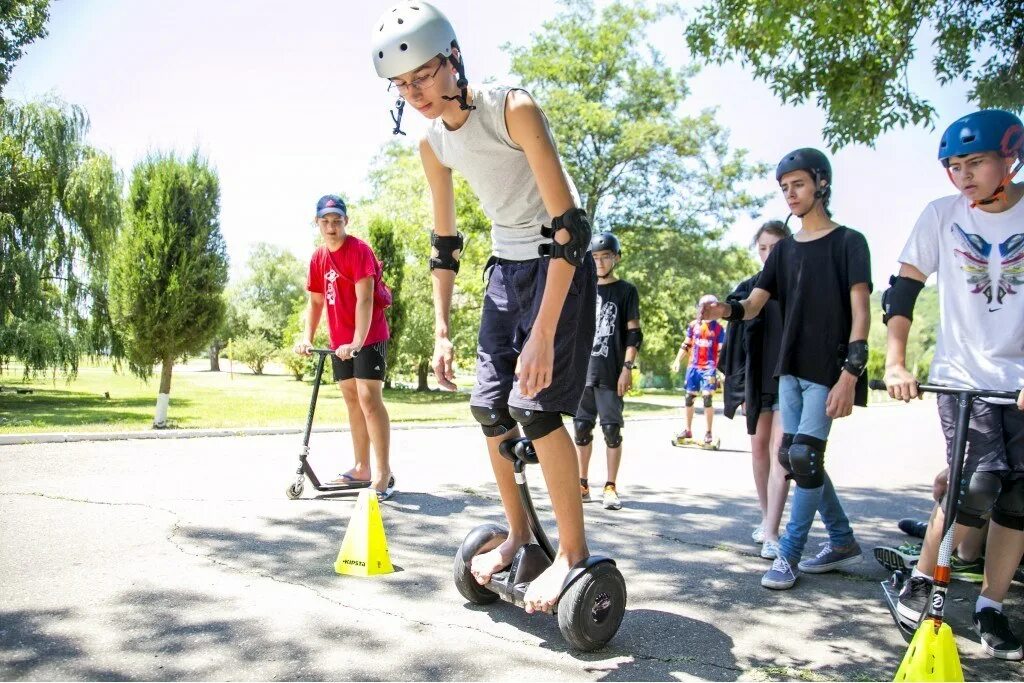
370 363
995 436
769 402
601 402
511 303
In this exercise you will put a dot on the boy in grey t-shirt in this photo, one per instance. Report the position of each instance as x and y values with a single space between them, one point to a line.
974 243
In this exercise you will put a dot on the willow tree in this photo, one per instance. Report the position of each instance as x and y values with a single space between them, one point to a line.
170 267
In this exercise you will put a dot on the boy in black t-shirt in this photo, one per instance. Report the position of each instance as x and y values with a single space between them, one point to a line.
821 277
617 339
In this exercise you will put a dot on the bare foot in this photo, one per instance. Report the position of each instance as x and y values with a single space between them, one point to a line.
545 590
381 481
357 473
489 562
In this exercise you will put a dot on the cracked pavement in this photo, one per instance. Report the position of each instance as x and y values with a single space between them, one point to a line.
182 559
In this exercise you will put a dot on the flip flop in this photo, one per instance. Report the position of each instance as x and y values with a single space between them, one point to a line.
348 479
387 493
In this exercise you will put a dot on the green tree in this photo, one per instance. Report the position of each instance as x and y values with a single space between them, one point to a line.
254 349
170 266
21 22
60 213
851 58
275 281
392 257
667 184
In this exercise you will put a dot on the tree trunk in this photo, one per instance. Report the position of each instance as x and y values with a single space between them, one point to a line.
164 397
214 357
422 372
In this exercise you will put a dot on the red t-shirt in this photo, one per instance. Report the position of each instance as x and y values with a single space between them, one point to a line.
355 260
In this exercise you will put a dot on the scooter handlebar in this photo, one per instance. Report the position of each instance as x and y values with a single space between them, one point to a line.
937 389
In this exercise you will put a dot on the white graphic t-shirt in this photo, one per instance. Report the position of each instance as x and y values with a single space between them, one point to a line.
979 259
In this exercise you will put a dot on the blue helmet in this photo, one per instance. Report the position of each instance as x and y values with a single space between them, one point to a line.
988 130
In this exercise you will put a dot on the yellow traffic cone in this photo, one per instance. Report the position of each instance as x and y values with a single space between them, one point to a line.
364 550
932 656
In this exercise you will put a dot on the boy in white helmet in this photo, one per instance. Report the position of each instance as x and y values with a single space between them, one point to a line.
703 342
537 324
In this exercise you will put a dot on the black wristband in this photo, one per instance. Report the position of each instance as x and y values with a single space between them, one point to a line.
856 358
736 311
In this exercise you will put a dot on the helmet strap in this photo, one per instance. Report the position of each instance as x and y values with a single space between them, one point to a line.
396 116
462 83
1000 192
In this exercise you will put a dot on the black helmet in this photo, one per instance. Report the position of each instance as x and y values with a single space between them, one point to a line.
805 159
605 241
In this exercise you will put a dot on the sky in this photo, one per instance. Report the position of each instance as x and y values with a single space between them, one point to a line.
284 102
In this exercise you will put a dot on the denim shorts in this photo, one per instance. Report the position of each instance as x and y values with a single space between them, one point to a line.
511 303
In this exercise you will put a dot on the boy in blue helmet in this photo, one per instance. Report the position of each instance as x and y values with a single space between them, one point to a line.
537 322
974 242
821 277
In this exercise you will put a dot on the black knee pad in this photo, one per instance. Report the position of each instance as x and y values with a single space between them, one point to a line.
1009 510
807 460
787 441
978 494
536 423
612 437
584 430
494 421
707 400
690 400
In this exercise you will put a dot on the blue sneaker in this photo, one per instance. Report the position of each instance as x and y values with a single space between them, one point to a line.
781 576
831 558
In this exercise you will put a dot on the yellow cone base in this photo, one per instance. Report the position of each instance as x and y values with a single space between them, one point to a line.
931 656
364 550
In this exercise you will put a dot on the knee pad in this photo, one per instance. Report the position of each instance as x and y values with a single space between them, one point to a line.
584 430
807 460
612 437
494 421
1009 511
536 423
690 400
707 400
787 442
978 495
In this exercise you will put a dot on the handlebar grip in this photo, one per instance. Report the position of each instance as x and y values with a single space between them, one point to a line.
877 384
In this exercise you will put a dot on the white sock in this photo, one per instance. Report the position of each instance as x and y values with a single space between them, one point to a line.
917 572
984 602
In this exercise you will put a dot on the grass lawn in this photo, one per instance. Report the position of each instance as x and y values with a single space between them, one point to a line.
204 399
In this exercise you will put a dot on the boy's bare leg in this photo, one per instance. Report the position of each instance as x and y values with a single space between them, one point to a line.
584 453
360 435
561 476
709 416
1005 548
614 458
689 418
970 548
932 539
494 558
760 461
778 485
378 426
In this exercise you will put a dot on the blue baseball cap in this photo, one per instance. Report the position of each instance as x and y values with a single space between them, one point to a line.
330 203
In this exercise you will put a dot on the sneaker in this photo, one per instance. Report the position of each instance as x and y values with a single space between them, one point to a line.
611 499
994 630
972 571
585 492
684 435
781 576
708 439
913 600
758 534
830 558
770 550
904 558
912 527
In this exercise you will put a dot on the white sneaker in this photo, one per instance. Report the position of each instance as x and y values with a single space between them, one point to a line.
758 534
611 499
770 550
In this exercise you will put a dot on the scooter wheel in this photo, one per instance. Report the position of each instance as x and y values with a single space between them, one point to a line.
294 490
465 582
591 610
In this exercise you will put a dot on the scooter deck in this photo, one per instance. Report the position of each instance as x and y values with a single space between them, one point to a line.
891 592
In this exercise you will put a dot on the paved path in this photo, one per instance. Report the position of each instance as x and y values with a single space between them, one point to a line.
182 559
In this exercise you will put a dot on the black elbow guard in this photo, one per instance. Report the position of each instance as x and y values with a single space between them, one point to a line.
634 338
575 250
856 358
445 251
900 298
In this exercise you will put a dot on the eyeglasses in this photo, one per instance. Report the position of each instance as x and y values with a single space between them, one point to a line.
420 84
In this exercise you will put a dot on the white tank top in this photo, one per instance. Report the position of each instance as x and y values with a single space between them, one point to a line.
497 170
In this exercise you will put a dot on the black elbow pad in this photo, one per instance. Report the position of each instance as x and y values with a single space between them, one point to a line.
634 338
900 298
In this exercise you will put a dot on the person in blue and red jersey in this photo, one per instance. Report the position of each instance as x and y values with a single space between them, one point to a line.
703 342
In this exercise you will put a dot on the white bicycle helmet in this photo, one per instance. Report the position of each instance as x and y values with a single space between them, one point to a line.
408 36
